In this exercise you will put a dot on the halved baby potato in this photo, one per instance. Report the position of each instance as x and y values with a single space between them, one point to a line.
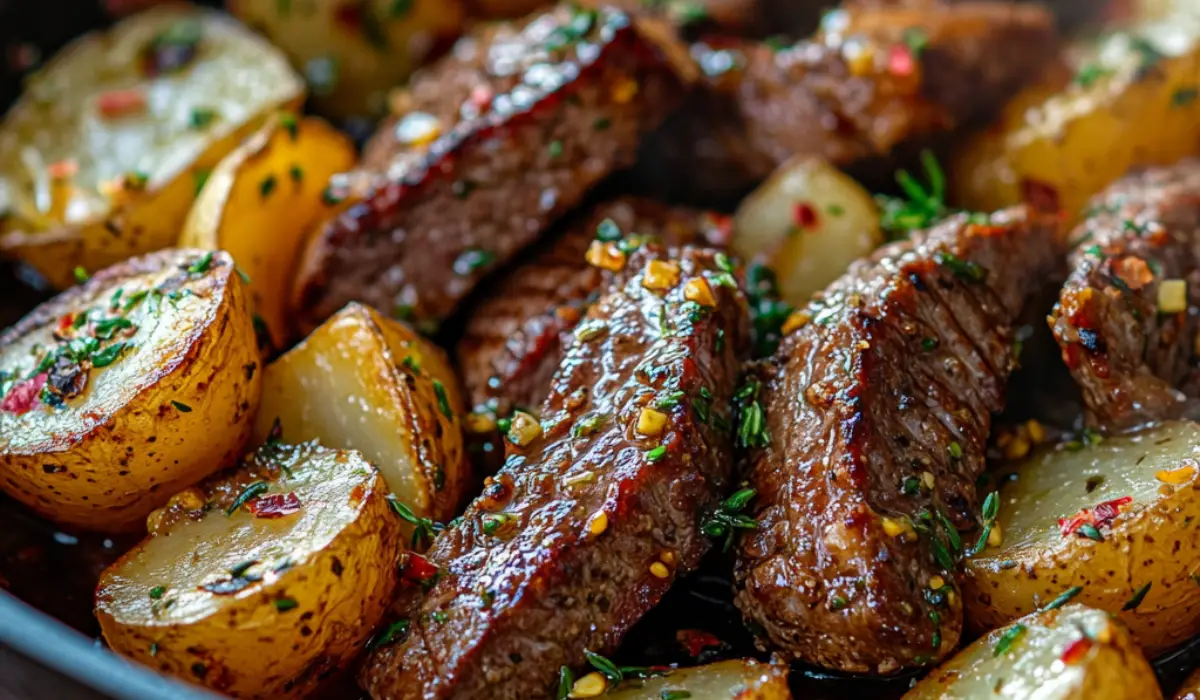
263 580
736 679
353 52
1114 522
103 153
807 223
262 199
1070 653
364 382
120 392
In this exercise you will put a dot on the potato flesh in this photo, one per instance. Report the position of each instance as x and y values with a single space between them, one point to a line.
192 552
1033 667
344 387
807 222
727 680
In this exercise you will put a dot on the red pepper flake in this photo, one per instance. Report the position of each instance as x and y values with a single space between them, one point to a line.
901 62
1100 516
804 216
24 395
481 96
275 505
63 169
720 230
696 641
418 569
1075 651
120 103
1041 196
65 322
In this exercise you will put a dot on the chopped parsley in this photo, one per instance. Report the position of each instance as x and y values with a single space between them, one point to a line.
443 403
181 407
201 266
285 604
423 528
201 117
728 517
393 633
1010 637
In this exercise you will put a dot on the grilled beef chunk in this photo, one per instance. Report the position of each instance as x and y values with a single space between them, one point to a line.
872 79
515 339
588 523
877 414
1126 320
495 141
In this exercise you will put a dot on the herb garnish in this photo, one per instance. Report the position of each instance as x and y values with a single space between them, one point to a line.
392 634
423 528
1138 596
728 517
254 490
1063 598
443 403
181 407
991 508
201 266
752 423
285 604
1008 639
157 592
566 680
924 206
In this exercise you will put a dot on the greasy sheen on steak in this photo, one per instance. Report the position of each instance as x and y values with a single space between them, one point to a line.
591 520
877 417
1126 319
517 336
873 78
487 148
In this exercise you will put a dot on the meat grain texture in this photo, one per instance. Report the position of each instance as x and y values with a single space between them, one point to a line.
488 147
878 412
560 552
1126 319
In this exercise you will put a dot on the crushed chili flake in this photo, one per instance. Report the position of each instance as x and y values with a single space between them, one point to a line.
417 569
24 395
120 103
696 641
804 216
65 322
63 169
1133 271
1100 516
901 62
1075 651
275 505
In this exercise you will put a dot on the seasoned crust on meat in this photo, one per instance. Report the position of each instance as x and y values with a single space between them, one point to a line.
555 556
517 335
887 391
854 91
1125 320
496 141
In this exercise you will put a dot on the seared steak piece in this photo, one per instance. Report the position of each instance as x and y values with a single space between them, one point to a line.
588 523
873 78
877 414
492 144
517 336
1126 319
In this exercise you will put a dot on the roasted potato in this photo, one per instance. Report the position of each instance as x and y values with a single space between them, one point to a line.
738 679
1112 521
807 222
120 392
101 156
352 53
263 580
365 382
1070 653
262 199
1132 102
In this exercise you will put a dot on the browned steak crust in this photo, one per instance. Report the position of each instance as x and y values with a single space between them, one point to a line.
517 336
1133 356
877 417
873 78
496 141
555 556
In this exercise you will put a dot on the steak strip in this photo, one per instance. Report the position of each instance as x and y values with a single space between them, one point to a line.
877 419
1126 319
492 144
587 525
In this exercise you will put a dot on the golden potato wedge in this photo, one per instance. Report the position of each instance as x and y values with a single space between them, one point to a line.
1132 102
807 222
120 392
1128 506
264 579
262 199
352 53
368 383
101 156
1070 653
736 679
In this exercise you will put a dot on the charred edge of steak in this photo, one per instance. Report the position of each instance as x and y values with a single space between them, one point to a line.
599 66
1126 320
878 412
588 523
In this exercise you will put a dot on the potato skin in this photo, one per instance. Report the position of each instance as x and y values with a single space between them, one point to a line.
205 368
1155 543
251 649
99 228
